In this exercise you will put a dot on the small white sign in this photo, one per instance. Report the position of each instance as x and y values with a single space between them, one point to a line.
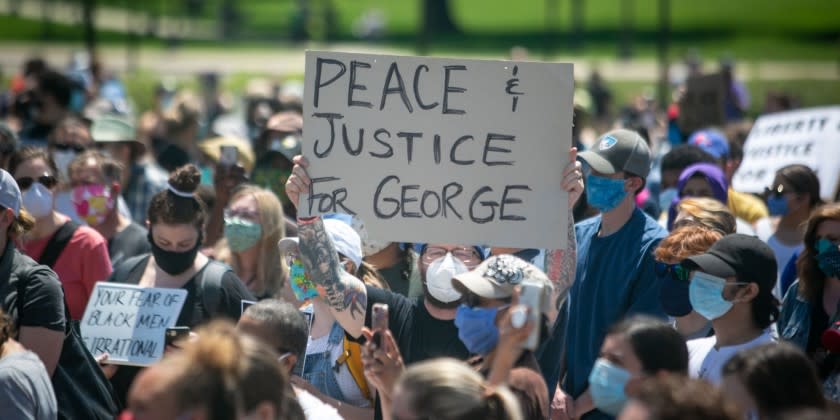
129 322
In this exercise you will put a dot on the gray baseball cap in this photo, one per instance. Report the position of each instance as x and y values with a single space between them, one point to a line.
10 197
619 151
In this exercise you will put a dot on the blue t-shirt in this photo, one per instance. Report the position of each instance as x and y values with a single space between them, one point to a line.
614 278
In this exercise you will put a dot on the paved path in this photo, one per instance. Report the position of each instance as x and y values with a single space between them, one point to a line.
287 60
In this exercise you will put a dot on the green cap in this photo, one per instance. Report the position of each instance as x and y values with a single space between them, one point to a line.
619 151
109 129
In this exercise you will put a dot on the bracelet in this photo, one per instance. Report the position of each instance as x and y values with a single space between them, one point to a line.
306 220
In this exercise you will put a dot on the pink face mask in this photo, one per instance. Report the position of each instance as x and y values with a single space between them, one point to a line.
93 202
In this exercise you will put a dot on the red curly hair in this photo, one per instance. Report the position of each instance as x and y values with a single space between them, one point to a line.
685 242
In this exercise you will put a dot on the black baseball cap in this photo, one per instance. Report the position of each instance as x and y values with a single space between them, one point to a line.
745 257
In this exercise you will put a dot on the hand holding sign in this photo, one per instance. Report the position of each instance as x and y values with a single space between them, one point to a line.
298 182
573 178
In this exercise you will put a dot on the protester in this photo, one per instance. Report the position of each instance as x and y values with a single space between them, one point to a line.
706 220
675 398
221 375
447 389
25 388
635 350
275 148
69 138
615 273
142 178
181 124
703 180
771 378
49 103
680 244
811 303
794 194
253 226
283 328
39 311
332 364
176 224
743 206
96 182
78 254
485 326
732 286
673 164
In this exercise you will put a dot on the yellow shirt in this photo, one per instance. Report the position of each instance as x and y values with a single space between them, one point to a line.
746 206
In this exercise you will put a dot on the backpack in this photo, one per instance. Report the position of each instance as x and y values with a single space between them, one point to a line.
353 357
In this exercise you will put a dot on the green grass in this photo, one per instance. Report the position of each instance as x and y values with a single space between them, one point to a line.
770 29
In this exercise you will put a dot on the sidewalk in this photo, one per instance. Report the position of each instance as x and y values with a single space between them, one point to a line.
289 60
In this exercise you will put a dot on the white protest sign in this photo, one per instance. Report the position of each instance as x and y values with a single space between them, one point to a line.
128 322
809 137
440 150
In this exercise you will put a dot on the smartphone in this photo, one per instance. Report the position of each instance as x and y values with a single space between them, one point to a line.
379 322
229 155
532 295
174 334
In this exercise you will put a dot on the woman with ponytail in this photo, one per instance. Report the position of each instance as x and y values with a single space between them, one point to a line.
221 375
176 221
446 389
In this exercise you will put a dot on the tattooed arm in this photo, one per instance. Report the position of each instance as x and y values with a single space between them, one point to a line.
344 293
560 266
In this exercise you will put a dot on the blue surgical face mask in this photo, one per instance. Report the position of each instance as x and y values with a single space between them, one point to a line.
828 257
777 205
477 328
706 295
666 197
606 384
604 194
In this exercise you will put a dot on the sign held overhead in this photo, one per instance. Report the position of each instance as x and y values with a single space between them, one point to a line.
439 150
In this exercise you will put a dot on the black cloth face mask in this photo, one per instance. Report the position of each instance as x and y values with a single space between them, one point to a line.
174 263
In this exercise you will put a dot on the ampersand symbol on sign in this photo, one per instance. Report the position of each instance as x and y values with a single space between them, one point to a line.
513 83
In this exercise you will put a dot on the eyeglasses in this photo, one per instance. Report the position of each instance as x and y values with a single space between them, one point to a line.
25 182
677 271
468 256
69 146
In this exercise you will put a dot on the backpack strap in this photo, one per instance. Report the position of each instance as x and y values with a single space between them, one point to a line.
57 243
124 269
211 286
353 357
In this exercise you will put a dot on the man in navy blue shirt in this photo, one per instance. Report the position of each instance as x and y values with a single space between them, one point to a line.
615 270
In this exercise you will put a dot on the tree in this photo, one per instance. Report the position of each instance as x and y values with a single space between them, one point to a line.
437 18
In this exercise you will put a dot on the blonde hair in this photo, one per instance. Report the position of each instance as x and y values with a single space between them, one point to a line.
227 374
710 213
447 389
270 267
24 222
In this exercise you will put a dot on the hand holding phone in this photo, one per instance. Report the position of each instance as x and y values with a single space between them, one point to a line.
175 334
379 322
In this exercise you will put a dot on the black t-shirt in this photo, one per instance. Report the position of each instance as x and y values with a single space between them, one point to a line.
43 299
419 335
194 312
130 242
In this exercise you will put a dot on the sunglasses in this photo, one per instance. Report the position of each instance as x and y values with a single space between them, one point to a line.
677 271
67 146
48 181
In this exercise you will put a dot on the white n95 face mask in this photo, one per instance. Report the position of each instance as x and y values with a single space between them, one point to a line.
439 278
38 200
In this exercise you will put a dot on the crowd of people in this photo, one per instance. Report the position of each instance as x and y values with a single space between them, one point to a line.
677 297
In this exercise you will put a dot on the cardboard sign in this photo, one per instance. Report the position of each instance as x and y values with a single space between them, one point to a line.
440 150
128 322
702 105
809 137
